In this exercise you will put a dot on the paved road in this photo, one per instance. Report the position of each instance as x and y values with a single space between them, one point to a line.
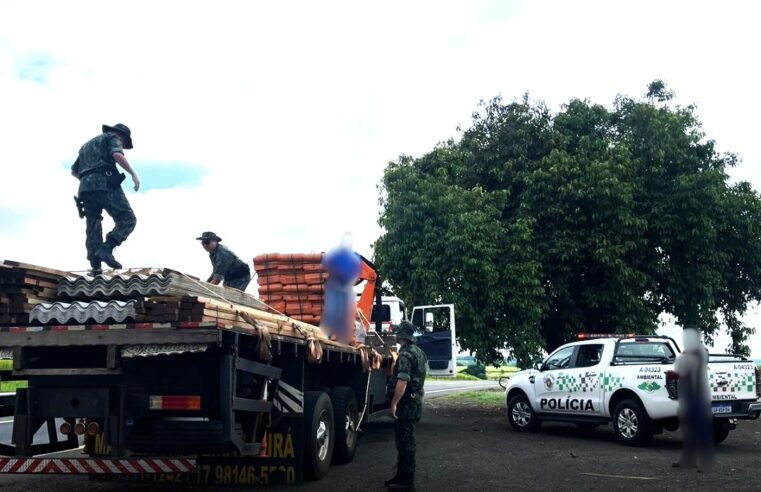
471 447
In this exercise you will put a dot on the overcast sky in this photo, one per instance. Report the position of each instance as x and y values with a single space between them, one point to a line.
271 123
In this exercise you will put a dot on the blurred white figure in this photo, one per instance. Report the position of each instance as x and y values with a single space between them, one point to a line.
695 417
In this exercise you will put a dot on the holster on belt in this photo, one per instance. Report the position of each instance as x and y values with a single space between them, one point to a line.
80 206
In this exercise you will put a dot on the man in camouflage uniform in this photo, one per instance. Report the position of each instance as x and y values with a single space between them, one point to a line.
100 189
407 404
227 266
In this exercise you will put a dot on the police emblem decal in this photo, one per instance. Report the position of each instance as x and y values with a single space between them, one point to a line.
549 382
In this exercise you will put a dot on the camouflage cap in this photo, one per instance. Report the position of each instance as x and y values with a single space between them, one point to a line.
405 330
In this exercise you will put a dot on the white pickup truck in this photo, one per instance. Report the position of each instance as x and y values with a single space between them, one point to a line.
630 381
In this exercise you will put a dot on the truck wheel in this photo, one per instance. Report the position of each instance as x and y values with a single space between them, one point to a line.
520 414
319 434
721 429
631 423
346 423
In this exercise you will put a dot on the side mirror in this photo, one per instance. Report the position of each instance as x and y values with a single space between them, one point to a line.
539 365
429 322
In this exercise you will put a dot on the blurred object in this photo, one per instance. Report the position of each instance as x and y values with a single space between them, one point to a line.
340 308
694 396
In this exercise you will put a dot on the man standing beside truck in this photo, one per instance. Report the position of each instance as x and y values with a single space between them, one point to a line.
228 268
407 404
100 188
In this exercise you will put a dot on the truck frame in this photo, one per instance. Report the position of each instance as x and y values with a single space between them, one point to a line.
195 402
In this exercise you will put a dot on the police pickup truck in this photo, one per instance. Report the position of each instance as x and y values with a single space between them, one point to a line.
630 381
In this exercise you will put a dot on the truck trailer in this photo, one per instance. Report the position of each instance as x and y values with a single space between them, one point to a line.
249 398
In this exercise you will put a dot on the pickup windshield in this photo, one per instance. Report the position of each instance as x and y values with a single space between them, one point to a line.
643 352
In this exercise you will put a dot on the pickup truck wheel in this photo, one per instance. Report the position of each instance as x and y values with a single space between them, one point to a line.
631 423
721 429
319 430
522 418
346 424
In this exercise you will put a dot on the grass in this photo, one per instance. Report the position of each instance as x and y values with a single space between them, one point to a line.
482 397
457 377
11 386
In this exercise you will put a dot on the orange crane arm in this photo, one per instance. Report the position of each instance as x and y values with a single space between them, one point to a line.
369 274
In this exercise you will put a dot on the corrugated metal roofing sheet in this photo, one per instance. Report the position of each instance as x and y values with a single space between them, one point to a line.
81 312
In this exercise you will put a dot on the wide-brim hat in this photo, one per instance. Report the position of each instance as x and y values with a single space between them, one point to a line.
405 330
208 236
123 130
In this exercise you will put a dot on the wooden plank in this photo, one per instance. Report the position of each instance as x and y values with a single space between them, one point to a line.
109 337
28 266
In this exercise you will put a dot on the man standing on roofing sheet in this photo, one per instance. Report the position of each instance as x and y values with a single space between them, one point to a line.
100 188
228 268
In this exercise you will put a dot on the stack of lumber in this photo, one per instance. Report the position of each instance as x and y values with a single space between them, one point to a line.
23 286
293 284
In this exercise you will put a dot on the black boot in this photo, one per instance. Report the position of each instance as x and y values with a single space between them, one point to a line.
392 481
95 267
404 482
105 253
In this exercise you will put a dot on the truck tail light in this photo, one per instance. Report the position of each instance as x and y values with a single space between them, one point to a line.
93 428
176 403
672 384
79 428
65 428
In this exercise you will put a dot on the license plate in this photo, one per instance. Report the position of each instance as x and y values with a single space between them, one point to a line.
725 408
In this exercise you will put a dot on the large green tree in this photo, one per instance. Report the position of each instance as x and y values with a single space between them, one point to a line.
540 225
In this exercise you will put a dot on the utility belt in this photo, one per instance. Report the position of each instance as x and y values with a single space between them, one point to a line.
114 178
412 394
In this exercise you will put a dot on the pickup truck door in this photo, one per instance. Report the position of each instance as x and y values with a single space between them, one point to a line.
547 392
570 382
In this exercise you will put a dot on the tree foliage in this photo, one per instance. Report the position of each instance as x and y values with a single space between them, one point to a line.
539 225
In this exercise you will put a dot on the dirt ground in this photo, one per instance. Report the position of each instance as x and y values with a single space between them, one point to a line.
468 446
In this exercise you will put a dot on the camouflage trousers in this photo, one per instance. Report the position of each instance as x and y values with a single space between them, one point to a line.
404 433
239 283
115 203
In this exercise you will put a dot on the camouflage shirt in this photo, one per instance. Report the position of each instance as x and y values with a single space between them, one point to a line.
95 154
227 265
411 366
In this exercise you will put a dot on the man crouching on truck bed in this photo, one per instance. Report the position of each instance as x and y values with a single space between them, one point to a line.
228 268
407 404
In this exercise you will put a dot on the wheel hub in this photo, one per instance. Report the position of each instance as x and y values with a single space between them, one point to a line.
521 413
323 437
628 424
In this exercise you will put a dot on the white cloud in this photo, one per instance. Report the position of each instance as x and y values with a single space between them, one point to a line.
295 108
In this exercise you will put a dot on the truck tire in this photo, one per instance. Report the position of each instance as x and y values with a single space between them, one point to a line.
319 434
520 414
346 423
721 429
631 423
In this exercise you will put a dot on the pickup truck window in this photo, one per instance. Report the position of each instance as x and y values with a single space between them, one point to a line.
643 352
560 359
589 355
